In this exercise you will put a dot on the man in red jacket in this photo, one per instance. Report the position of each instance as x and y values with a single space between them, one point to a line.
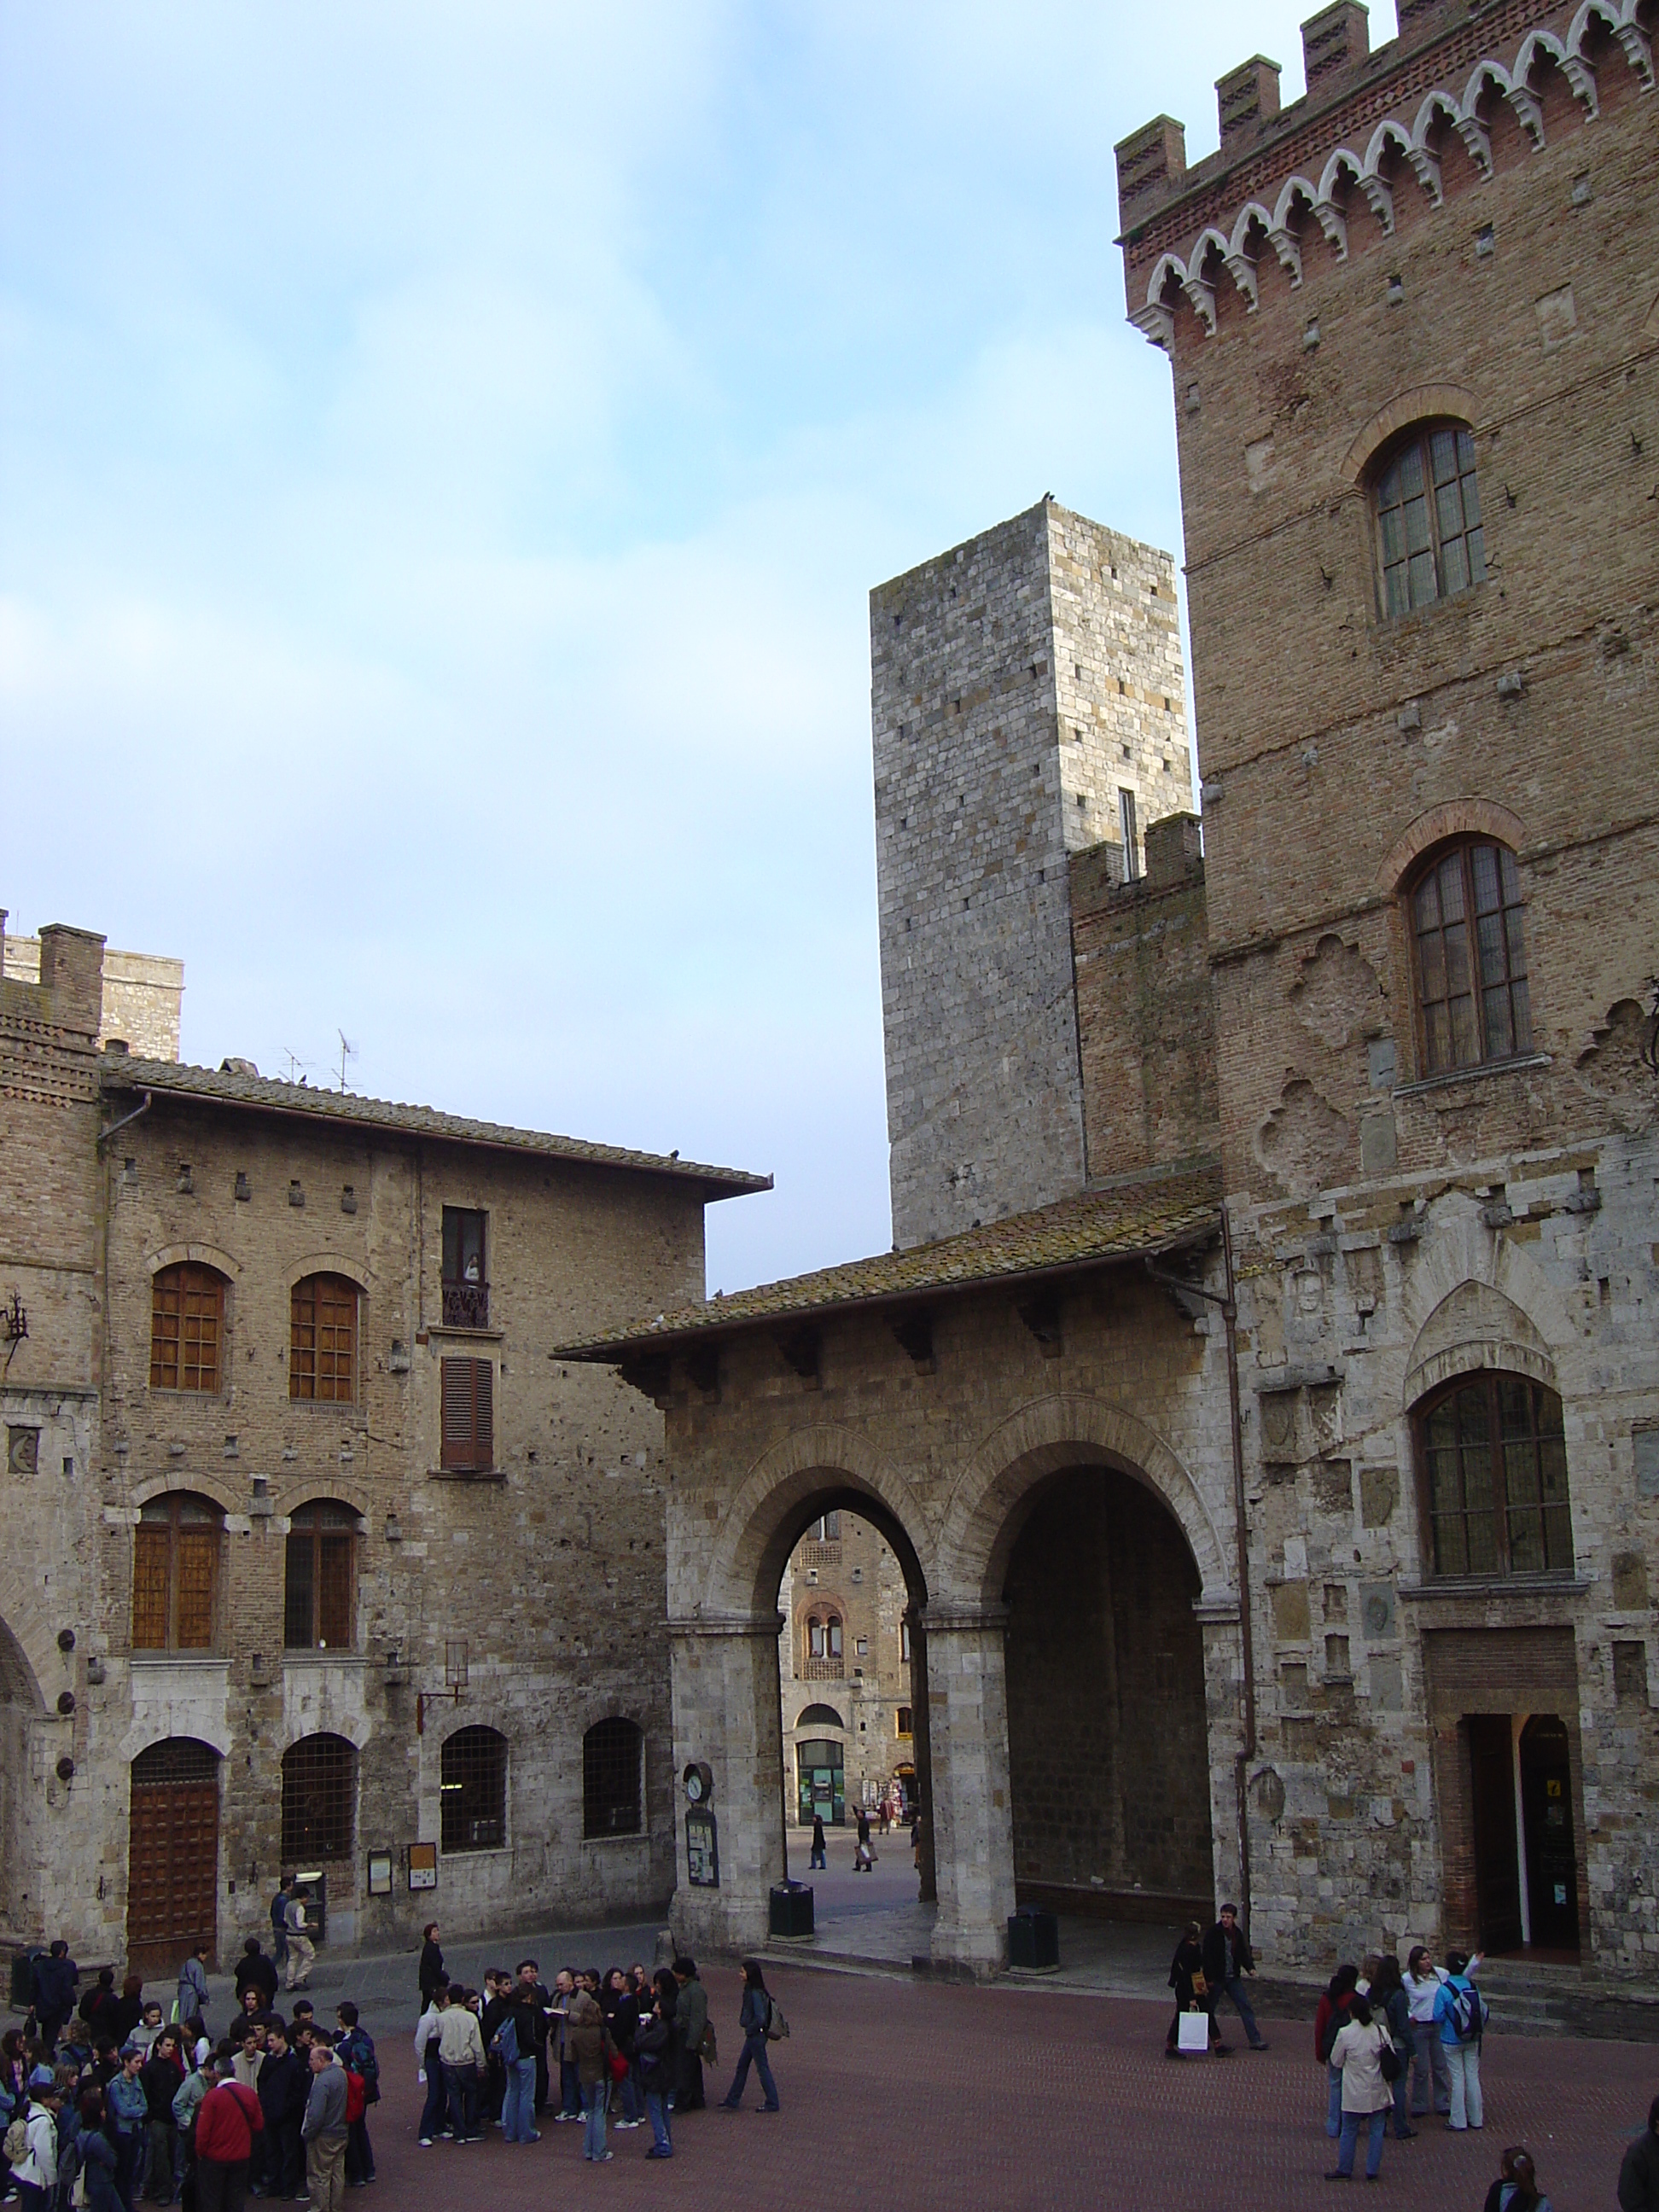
227 2121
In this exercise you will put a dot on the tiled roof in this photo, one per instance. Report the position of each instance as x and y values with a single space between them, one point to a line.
227 1086
1150 1215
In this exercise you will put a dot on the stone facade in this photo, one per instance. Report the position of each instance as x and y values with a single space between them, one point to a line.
531 1575
142 996
1022 687
844 1571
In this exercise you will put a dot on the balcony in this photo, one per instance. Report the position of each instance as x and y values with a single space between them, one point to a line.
822 1670
467 1305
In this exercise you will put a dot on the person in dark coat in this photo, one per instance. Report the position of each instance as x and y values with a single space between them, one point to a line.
432 1963
53 1979
754 2018
1186 1976
536 2000
820 1858
129 2011
691 2019
255 1971
98 2008
654 2044
96 2143
1388 1998
1638 2176
1227 1958
283 2087
1330 2020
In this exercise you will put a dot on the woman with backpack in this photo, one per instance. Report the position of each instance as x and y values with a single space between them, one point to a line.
754 2025
1460 2013
1362 2049
1329 2020
1516 2189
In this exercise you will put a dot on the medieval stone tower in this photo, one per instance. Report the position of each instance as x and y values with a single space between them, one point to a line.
1026 701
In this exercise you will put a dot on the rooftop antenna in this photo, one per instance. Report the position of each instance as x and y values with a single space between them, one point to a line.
348 1051
293 1059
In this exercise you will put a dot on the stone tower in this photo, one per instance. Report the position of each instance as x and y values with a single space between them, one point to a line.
1027 700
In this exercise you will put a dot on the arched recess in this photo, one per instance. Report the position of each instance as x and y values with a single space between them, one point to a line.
1474 1327
1066 1430
1453 818
26 1833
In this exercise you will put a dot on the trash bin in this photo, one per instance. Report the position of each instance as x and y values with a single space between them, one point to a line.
22 1976
791 1908
1033 1938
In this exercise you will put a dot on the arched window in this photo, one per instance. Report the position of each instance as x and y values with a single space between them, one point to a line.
473 1790
186 1327
320 1799
820 1716
1428 508
1494 1474
611 1779
319 1605
823 1645
322 1339
1469 953
175 1574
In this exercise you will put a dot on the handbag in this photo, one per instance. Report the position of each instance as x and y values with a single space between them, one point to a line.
1201 1984
1388 2059
619 2066
1192 2032
708 2050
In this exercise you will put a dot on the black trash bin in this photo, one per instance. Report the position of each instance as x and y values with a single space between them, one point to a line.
791 1908
22 1976
1033 1938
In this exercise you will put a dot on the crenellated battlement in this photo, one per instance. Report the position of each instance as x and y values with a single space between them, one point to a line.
1417 121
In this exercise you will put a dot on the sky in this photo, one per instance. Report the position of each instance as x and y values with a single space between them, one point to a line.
445 454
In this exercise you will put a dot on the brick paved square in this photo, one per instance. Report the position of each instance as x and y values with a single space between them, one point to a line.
935 2098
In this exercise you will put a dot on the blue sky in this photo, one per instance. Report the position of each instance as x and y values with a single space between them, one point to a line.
445 452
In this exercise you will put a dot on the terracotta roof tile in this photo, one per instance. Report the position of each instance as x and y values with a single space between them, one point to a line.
1150 1215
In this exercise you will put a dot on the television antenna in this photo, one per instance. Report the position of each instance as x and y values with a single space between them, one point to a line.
348 1051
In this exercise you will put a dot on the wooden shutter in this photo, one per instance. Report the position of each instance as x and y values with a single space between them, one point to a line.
149 1590
468 1416
334 1609
199 1560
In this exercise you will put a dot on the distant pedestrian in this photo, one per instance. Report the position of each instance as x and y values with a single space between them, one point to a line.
1357 2054
355 2052
460 2046
434 2123
193 1998
820 1856
1392 2006
754 2024
1192 1991
863 1858
52 1993
1430 2072
301 1951
1460 2011
323 2131
35 2175
279 1922
255 1971
1639 2175
1227 1958
655 2045
99 2155
1328 2021
591 2047
691 2027
432 1963
1516 2189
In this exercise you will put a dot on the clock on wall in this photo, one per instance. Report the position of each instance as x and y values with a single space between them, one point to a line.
699 1784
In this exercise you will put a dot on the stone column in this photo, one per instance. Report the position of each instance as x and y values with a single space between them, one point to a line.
726 1715
973 1826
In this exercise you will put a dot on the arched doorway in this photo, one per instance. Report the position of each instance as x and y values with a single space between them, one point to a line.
1108 1727
172 1855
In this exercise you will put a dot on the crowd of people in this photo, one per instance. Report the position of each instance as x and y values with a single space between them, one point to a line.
103 2102
619 2050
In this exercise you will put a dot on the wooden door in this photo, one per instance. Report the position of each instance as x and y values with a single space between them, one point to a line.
173 1856
1551 1856
1496 1862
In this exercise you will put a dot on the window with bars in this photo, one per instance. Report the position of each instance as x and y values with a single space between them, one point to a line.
468 1426
1427 505
320 1799
465 1279
319 1590
1493 1461
612 1753
1469 950
186 1327
175 1574
472 1790
322 1339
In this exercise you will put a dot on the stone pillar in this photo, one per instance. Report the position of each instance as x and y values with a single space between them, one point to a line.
973 1824
726 1693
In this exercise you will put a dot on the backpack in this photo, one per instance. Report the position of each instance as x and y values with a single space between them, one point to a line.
1469 2013
360 2056
16 2144
356 2095
777 2027
505 2042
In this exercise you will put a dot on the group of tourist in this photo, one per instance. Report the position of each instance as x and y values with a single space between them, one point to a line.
105 2104
625 2048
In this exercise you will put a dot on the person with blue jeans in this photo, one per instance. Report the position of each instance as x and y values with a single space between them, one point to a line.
515 2046
1463 2052
1331 2017
655 2045
1366 2097
1386 1997
1227 1958
753 2020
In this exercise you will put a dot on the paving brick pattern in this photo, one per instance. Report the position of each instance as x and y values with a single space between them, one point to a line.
950 2097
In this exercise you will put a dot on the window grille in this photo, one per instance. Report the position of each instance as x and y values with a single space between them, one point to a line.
1494 1464
322 1357
611 1779
1427 504
175 1573
473 1790
319 1604
1468 926
319 1790
186 1325
175 1759
465 1279
468 1440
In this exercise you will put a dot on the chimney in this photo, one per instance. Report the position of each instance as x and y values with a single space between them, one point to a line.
1148 159
1335 40
72 970
1173 847
1246 96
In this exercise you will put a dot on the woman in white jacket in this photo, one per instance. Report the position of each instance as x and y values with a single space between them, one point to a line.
36 2176
1367 2099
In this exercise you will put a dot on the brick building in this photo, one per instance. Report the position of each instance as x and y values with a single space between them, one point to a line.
316 1555
1262 1400
844 1673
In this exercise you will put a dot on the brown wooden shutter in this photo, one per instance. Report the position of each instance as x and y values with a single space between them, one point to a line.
149 1590
334 1622
467 1425
199 1560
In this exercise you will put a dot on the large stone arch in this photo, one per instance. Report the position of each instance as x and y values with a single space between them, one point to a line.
770 1507
29 1656
1070 1428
